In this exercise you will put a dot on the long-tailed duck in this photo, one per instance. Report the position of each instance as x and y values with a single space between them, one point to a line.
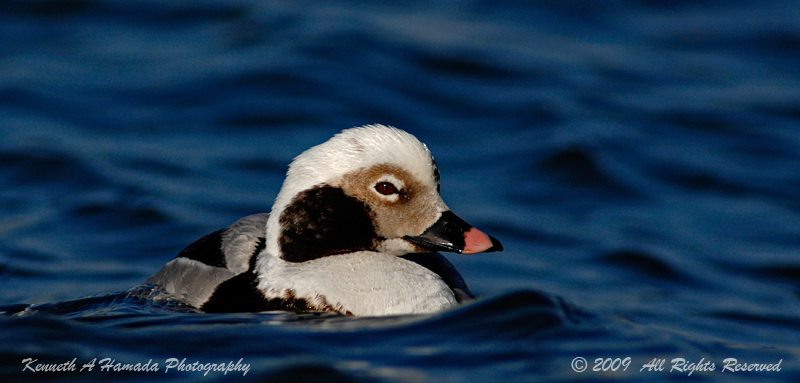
352 231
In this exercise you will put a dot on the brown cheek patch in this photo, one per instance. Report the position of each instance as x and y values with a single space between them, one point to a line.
414 210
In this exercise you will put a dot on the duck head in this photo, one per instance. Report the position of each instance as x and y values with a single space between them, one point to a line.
372 188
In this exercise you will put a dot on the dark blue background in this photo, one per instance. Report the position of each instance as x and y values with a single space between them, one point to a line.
639 160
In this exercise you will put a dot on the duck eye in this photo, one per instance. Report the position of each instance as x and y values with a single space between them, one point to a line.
386 188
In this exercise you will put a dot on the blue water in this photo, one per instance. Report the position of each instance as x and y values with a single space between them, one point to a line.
639 160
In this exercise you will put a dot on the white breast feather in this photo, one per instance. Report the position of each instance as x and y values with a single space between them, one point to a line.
365 283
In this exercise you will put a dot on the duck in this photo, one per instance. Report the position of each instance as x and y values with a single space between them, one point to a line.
357 229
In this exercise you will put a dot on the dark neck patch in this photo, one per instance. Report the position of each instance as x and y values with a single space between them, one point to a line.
323 221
